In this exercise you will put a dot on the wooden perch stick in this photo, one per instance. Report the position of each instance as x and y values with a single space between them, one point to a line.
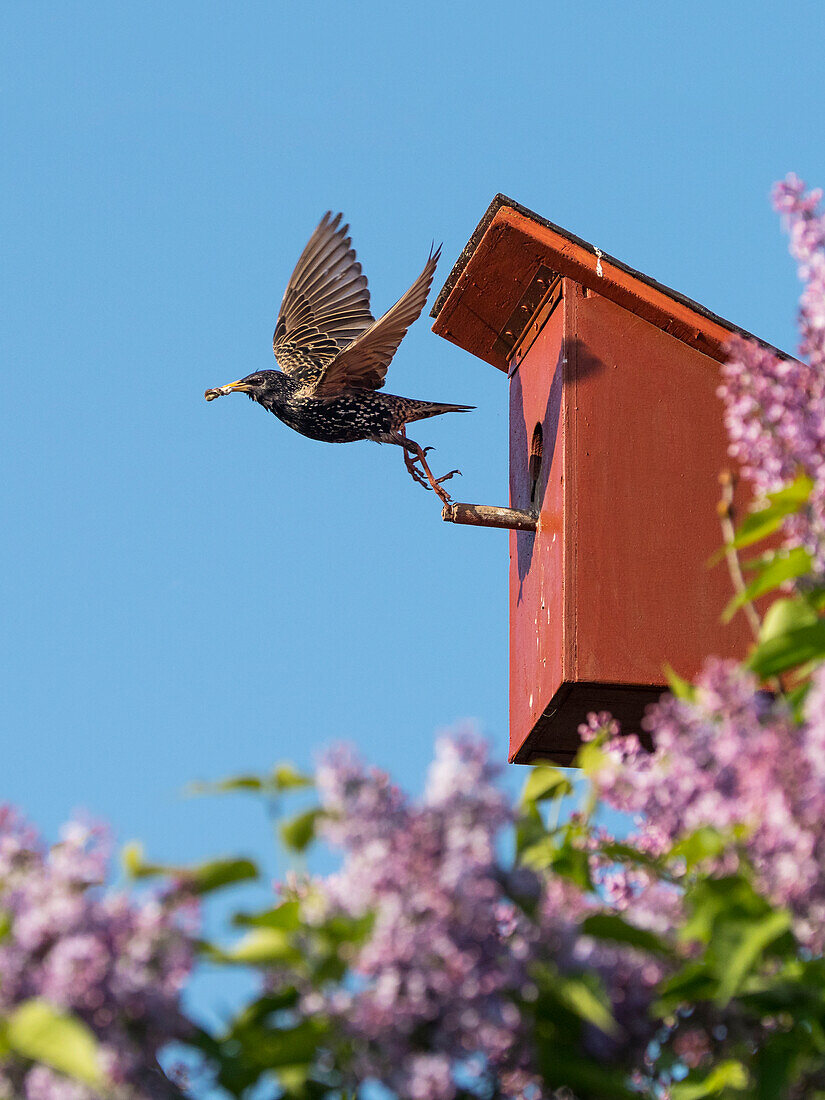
485 515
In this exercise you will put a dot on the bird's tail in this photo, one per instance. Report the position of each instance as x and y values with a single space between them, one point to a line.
420 410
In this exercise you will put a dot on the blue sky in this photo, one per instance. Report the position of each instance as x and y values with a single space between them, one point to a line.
190 590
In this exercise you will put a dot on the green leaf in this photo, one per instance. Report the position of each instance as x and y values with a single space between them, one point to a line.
260 947
545 781
131 858
727 1075
681 688
563 1067
784 502
691 984
206 877
796 698
202 878
297 833
252 783
755 938
590 758
285 777
783 652
259 1011
273 1048
540 855
610 926
703 843
785 615
530 828
774 1061
292 1079
573 863
38 1031
626 853
714 902
249 1050
340 929
286 916
779 567
577 995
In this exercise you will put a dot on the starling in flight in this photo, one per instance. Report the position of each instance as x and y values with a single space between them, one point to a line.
334 355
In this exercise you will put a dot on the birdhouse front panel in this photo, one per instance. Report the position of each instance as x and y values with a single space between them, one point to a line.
616 444
648 446
617 440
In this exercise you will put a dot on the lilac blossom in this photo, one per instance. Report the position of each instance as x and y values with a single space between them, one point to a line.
429 1077
731 758
118 964
807 232
775 407
444 982
436 961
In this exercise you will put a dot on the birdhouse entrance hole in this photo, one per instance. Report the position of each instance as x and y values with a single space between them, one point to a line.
534 465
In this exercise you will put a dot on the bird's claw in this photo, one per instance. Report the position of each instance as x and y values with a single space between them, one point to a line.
424 475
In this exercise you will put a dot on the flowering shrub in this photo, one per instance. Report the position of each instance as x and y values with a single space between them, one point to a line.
775 407
729 757
686 957
117 964
469 948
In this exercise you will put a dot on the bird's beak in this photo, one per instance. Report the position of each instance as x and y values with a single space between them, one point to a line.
222 391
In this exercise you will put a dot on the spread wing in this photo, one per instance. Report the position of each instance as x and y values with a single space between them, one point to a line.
362 365
326 303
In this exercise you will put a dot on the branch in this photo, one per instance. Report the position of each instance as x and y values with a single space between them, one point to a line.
725 510
486 515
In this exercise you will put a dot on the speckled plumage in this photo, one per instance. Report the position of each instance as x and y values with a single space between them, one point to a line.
334 355
345 417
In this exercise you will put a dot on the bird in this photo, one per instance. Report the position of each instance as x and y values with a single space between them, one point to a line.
334 355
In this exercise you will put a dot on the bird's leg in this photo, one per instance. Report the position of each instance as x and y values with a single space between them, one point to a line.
424 476
407 446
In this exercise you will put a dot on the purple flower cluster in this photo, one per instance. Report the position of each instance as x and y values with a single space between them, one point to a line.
734 760
629 977
807 231
444 982
117 964
435 976
775 407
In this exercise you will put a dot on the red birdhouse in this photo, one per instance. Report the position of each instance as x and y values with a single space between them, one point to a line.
616 445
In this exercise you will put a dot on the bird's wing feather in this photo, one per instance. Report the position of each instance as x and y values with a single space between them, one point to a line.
362 365
326 304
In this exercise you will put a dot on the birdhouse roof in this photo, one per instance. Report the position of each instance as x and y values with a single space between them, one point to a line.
497 283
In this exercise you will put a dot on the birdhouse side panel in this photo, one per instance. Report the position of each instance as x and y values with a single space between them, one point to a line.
537 585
